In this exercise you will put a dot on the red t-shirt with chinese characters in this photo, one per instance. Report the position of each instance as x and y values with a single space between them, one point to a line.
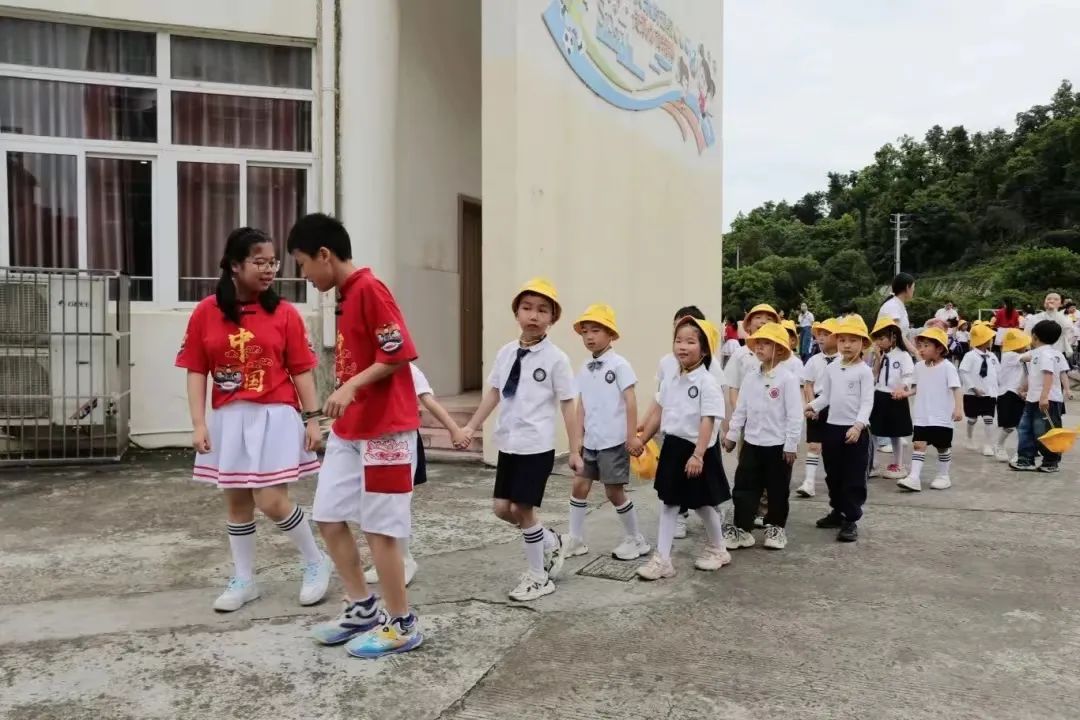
372 329
253 361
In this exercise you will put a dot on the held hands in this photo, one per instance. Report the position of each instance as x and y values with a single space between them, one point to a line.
634 446
463 438
339 400
729 445
853 434
694 466
200 439
577 464
900 394
789 457
810 413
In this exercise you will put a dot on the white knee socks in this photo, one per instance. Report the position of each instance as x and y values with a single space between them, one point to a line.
665 536
298 529
713 527
242 545
628 515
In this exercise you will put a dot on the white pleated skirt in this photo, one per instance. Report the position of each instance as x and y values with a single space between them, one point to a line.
254 445
729 347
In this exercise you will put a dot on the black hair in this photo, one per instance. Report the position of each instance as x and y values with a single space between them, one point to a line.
319 230
849 308
902 282
1048 332
894 334
689 311
1029 309
703 340
953 322
1007 302
237 249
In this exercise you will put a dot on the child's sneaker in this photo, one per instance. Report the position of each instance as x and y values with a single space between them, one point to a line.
849 532
886 448
775 538
631 548
371 575
354 620
237 594
1049 468
397 635
988 451
532 587
680 527
741 539
896 472
554 558
806 490
712 558
1001 454
831 521
876 472
574 547
941 482
910 484
656 569
759 521
316 581
973 444
1022 465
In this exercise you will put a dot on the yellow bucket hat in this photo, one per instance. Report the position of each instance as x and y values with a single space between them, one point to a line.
980 335
829 325
762 308
1015 340
883 322
774 333
711 333
1059 440
601 314
854 325
542 287
937 335
789 325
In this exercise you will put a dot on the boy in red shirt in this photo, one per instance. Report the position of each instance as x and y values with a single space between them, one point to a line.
367 473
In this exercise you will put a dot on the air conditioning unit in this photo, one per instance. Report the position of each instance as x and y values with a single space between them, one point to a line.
57 353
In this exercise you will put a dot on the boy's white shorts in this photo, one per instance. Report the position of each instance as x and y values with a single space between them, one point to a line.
368 482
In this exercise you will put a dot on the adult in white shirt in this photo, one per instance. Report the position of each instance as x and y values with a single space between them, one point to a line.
903 289
947 313
806 323
1052 305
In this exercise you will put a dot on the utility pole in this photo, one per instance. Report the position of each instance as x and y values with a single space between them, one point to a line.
900 224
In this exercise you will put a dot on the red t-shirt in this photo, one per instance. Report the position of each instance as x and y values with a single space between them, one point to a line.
1003 319
254 361
372 329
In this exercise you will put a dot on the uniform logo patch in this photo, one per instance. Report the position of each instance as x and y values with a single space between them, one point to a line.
389 338
693 392
609 376
774 393
851 385
896 364
539 374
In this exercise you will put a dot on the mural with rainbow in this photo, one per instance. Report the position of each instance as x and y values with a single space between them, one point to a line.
631 54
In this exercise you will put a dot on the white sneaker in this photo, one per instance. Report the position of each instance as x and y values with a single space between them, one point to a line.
532 587
895 472
876 471
237 594
775 538
631 548
887 449
1001 454
316 581
574 547
680 527
941 482
371 575
909 483
988 451
741 539
656 569
554 558
973 444
712 558
806 490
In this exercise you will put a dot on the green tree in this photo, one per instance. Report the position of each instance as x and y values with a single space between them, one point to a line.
1046 268
845 277
745 288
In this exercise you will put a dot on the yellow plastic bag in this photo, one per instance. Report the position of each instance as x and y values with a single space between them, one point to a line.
644 465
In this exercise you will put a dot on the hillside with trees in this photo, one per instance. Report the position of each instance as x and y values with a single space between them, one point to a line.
992 213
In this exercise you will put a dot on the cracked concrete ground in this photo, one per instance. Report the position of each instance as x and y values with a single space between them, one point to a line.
955 604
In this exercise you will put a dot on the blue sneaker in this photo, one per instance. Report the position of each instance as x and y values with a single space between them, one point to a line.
354 620
395 636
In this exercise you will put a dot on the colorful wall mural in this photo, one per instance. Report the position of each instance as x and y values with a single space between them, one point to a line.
631 54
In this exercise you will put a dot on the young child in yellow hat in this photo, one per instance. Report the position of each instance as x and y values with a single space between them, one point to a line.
937 406
1012 376
607 422
531 382
813 376
893 370
979 380
848 393
769 415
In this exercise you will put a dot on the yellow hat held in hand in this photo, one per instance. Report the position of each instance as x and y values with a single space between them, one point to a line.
1059 440
711 333
1015 340
937 335
601 314
882 323
776 334
980 335
854 325
762 308
542 287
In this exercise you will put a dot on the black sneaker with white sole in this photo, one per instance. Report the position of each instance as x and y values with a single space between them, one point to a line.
1049 468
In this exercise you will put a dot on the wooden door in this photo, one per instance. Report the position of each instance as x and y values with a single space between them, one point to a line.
472 327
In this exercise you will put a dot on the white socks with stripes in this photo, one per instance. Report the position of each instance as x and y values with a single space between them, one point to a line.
534 548
944 459
812 462
628 515
918 457
242 545
988 429
578 510
298 529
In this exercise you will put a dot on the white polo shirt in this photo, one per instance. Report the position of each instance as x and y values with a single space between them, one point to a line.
769 410
526 424
814 370
420 381
934 402
685 399
894 308
971 380
792 365
1011 373
1045 358
898 368
739 364
669 368
601 383
848 392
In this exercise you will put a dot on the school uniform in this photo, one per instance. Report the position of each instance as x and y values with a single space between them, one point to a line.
533 381
1045 366
963 340
793 365
848 392
601 383
423 387
256 432
1010 406
769 415
891 418
684 401
814 375
934 403
979 374
742 361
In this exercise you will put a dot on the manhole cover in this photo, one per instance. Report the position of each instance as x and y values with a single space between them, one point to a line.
609 568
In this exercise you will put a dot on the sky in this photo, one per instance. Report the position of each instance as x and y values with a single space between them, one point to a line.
817 85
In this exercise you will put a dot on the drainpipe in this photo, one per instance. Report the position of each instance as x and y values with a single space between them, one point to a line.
328 40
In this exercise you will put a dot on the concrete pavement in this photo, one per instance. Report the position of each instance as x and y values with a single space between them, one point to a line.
954 604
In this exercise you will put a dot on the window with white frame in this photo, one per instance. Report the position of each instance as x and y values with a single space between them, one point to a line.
140 151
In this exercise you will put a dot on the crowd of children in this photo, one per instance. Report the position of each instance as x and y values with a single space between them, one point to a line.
713 393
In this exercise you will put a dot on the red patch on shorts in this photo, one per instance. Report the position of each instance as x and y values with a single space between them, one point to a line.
388 479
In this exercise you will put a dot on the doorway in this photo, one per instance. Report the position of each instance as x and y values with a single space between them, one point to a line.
470 233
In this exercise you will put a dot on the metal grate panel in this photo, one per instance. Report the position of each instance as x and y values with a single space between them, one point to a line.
608 568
